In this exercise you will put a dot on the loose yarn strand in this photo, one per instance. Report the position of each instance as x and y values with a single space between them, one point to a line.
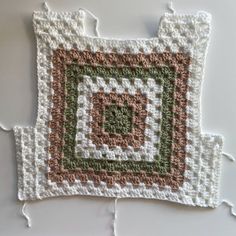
96 21
25 215
46 7
114 217
228 156
230 205
171 7
3 128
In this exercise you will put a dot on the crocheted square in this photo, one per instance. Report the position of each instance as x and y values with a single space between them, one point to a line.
147 150
142 171
119 118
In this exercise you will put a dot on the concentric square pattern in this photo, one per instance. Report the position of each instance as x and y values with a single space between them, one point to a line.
118 118
92 138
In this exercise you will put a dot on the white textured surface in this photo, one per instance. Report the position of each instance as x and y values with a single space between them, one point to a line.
22 106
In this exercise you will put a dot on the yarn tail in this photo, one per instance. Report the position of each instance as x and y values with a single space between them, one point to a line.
229 156
3 128
230 205
114 217
25 215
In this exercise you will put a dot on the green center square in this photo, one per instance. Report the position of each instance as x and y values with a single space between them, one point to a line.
118 119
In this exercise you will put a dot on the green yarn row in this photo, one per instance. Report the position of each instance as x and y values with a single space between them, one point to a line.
163 75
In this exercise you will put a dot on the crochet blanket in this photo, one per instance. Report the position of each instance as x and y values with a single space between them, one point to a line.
119 118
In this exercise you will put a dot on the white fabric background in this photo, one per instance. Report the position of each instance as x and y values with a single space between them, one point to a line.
93 216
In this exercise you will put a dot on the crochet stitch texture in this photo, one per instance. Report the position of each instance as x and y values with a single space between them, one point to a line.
119 118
